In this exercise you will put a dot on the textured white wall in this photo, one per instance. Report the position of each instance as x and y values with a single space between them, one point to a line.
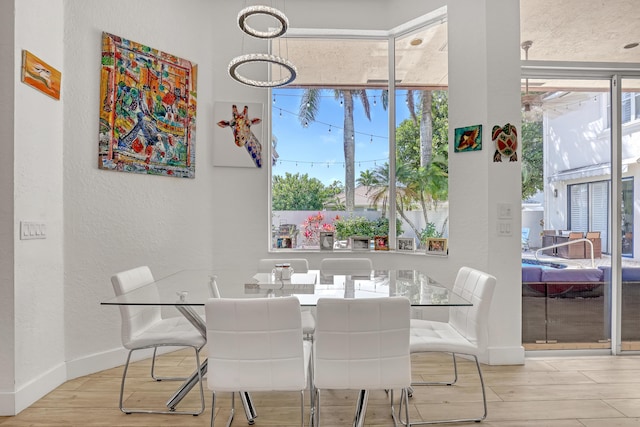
38 264
115 221
8 74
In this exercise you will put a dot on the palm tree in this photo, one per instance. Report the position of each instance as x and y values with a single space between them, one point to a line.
309 105
425 121
406 190
366 178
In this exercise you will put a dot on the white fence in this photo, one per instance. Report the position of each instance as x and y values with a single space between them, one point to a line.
437 216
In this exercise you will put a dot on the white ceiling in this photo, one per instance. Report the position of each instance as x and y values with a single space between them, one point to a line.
561 30
581 30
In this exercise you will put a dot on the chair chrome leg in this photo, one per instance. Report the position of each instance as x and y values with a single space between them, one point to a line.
316 408
461 420
361 408
153 372
124 376
301 408
455 377
171 410
249 410
404 402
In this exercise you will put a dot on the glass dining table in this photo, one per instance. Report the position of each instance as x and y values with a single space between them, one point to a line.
188 289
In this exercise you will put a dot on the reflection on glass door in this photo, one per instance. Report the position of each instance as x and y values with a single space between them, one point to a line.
630 286
566 162
627 217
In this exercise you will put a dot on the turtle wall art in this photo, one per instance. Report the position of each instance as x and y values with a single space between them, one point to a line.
506 139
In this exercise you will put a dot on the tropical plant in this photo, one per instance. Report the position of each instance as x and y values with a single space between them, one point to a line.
532 158
353 226
299 192
309 104
361 226
429 231
366 178
312 227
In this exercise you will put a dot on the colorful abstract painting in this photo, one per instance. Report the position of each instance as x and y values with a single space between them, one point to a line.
40 75
147 110
238 136
468 138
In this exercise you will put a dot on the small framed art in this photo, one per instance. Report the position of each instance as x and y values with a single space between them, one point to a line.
406 244
359 243
40 75
284 243
381 243
468 139
437 245
326 240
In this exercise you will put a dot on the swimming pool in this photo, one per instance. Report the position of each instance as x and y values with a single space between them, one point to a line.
543 264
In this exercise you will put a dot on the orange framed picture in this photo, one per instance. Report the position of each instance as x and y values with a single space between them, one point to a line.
381 243
40 75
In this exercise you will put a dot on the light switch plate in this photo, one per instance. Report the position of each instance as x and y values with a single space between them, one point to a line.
32 230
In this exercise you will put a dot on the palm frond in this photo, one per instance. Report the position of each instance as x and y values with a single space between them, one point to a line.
362 94
309 105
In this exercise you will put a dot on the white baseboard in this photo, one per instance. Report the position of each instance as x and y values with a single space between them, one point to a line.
505 355
12 403
96 362
7 404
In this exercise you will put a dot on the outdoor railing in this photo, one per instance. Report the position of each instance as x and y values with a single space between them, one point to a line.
571 242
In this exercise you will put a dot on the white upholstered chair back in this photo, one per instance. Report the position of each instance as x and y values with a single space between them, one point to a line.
362 343
472 321
299 265
356 266
255 345
136 318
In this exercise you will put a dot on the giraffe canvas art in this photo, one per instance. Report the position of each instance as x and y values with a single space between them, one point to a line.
241 147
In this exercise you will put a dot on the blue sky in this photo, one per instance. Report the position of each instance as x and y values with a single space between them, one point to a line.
317 149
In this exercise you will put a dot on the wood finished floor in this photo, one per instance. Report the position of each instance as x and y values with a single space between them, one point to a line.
595 391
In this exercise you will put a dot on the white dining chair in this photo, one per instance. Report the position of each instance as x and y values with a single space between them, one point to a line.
143 327
362 344
256 345
299 265
351 266
466 331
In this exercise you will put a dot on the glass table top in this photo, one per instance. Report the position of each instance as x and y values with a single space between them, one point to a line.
195 287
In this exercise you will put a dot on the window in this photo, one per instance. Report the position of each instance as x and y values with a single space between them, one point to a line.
589 209
630 106
331 165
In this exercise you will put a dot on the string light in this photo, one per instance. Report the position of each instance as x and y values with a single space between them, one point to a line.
329 163
332 126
